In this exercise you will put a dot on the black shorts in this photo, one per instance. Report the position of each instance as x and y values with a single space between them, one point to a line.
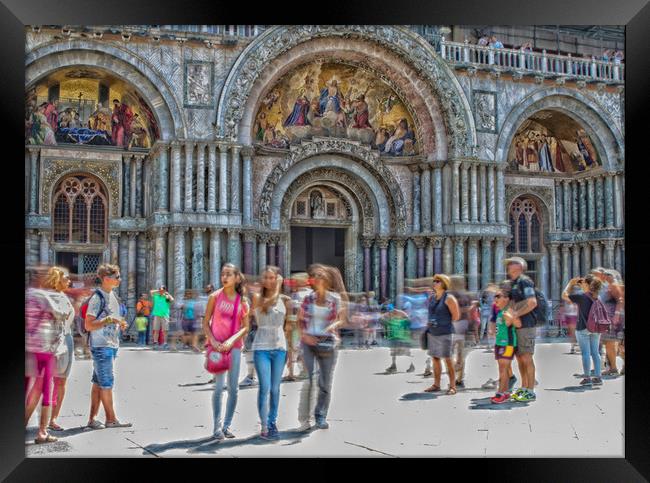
188 326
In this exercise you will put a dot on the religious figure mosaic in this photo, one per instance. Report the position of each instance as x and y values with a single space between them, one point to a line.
336 100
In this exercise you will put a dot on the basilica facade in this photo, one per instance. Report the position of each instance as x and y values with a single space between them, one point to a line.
365 147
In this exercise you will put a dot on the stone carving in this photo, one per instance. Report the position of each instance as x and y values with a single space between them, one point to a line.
109 172
485 111
404 43
369 159
198 84
611 104
545 193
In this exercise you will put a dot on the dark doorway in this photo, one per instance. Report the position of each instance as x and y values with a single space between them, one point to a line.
317 245
84 265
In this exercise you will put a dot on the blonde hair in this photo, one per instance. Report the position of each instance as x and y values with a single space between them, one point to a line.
53 277
269 301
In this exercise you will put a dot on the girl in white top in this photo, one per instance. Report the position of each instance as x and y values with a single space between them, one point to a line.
270 347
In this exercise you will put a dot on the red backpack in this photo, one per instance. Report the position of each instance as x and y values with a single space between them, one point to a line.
83 310
598 320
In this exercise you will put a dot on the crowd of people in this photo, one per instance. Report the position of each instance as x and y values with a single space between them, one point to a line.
280 324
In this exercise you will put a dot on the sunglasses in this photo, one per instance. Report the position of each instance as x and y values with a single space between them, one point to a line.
115 276
437 281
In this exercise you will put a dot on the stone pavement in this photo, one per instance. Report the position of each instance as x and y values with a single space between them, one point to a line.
166 396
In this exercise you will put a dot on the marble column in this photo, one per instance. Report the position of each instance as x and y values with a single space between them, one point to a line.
212 178
45 248
123 263
464 193
575 251
126 186
555 272
382 243
491 194
455 192
131 280
437 255
623 257
559 206
247 185
133 189
459 255
160 256
272 251
366 243
33 181
115 247
425 194
591 204
566 276
189 176
399 282
566 199
472 268
179 262
410 260
415 201
249 239
436 191
261 252
141 264
197 257
282 254
234 187
608 260
582 203
175 179
619 215
609 201
420 244
474 187
429 259
600 203
448 256
486 262
618 260
234 246
483 193
223 178
162 190
501 193
215 257
575 219
586 259
542 272
200 177
499 256
447 187
170 260
597 254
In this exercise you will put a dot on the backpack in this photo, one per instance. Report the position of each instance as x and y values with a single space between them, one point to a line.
598 319
83 310
541 311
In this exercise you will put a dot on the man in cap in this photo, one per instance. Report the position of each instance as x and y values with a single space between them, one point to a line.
523 296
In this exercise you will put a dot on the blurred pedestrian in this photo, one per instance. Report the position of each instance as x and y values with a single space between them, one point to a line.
162 301
398 335
141 324
144 306
506 343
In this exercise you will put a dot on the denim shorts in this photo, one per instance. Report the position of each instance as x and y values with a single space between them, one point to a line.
103 358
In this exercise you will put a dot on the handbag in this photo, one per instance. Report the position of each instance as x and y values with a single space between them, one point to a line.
215 361
325 346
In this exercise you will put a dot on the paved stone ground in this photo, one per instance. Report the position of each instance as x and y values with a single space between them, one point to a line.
166 396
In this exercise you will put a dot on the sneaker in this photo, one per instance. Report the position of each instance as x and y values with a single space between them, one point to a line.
218 435
490 384
586 381
392 369
227 433
427 372
165 347
524 396
155 347
273 432
306 426
611 372
573 350
460 384
322 424
247 381
597 381
517 393
500 398
264 434
374 342
411 368
511 383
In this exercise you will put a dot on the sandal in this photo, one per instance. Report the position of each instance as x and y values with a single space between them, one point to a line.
117 424
451 391
48 439
432 388
54 427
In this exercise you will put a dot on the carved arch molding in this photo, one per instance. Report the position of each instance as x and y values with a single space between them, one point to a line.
542 193
364 156
421 56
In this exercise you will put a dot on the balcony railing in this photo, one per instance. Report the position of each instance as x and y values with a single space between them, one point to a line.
532 63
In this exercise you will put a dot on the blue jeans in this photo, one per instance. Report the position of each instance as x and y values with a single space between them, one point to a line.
233 391
325 375
142 337
269 365
588 343
103 358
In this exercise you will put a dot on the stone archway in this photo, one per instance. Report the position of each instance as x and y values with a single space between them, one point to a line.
596 122
429 79
119 62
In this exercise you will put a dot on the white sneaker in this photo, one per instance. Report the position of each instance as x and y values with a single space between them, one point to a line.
489 384
306 426
247 382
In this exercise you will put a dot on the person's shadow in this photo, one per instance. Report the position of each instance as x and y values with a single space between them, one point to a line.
575 389
486 403
418 396
211 445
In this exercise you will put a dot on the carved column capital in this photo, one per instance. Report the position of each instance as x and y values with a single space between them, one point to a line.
420 242
400 242
473 242
367 242
382 242
263 238
247 151
436 242
249 236
234 233
132 235
179 229
198 230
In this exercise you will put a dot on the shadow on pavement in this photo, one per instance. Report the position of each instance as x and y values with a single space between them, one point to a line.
575 388
181 444
31 432
291 436
485 403
418 396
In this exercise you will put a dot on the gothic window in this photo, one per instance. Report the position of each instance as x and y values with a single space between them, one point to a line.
525 226
301 208
80 206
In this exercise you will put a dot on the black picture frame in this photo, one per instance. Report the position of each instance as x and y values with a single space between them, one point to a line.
635 14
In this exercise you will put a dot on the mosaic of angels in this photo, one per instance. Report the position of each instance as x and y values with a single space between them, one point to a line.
552 142
83 106
337 100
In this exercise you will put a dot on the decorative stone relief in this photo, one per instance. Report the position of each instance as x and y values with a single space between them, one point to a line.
198 82
485 111
611 104
544 193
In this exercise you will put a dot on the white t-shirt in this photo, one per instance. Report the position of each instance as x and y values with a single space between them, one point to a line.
270 328
63 310
109 335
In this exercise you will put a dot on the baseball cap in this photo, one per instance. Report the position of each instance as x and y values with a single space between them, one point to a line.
518 260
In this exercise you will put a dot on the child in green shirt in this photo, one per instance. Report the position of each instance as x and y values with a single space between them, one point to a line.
141 326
